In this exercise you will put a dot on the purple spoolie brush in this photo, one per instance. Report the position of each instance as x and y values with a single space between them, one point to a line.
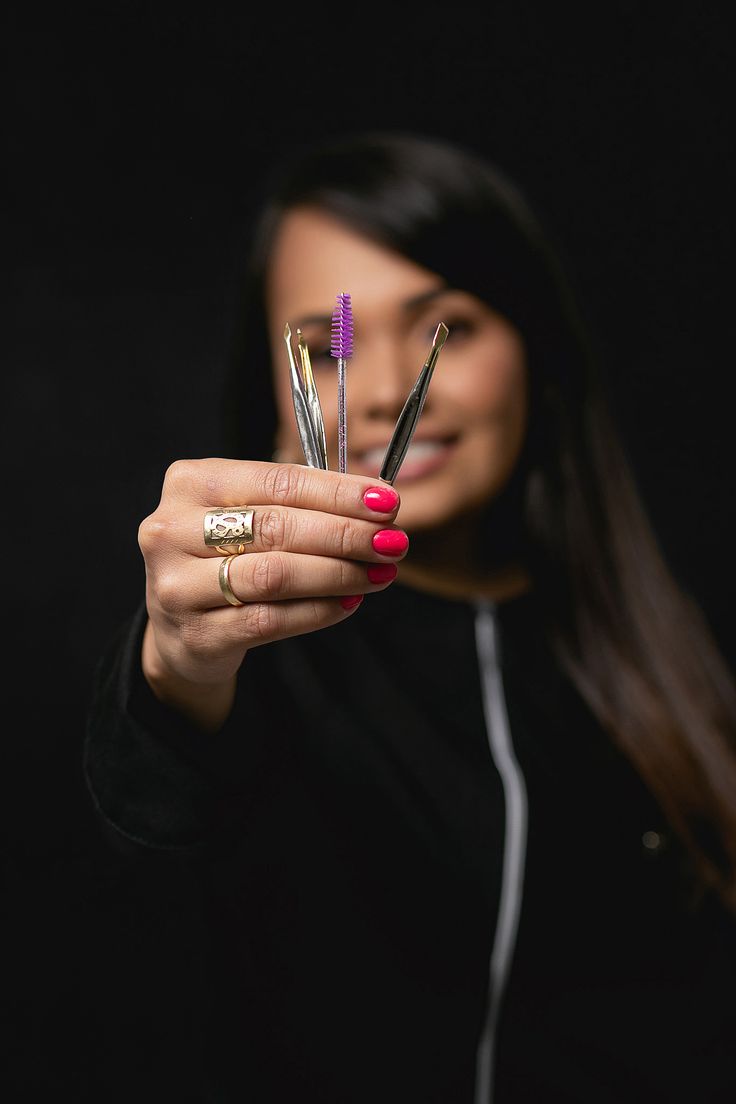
342 347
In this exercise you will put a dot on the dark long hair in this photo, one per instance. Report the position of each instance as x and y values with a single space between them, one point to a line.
637 647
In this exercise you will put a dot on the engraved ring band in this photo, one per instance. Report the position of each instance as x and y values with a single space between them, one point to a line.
228 529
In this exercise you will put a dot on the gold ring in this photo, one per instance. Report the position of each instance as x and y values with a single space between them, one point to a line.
229 529
224 577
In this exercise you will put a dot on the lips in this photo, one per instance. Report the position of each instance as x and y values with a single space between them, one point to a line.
422 457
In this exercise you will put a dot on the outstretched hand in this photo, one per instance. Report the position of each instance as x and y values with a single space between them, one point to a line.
321 540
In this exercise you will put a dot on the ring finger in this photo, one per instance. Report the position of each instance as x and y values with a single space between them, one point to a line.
277 576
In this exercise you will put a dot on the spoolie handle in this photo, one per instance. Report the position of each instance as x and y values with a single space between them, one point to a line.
341 347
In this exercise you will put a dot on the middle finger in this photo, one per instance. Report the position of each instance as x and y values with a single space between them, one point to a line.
286 529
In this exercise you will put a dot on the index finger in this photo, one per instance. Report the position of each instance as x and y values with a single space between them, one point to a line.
216 481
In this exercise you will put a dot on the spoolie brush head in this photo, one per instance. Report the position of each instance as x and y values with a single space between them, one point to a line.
342 327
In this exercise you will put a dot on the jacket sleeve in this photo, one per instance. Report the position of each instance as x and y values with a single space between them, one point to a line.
156 781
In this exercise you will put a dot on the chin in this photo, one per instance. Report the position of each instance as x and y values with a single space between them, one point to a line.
438 503
424 512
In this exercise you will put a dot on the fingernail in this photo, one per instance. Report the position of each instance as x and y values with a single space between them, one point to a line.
382 499
382 573
351 601
391 542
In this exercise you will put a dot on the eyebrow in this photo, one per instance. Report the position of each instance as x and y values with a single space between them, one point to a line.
426 297
408 305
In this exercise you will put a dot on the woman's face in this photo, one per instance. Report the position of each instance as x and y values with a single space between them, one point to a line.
472 427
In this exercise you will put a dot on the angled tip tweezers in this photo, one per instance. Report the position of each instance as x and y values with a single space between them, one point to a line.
407 421
308 411
307 407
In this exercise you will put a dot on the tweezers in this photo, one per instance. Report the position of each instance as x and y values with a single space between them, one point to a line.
308 411
407 422
307 408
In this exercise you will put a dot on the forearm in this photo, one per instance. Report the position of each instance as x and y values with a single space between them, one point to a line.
155 776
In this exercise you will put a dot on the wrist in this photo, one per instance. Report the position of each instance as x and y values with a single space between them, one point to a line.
206 703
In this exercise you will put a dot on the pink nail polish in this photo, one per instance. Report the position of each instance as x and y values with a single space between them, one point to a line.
351 601
382 499
391 542
382 573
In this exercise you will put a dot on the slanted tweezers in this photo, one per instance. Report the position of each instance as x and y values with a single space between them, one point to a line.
407 423
307 407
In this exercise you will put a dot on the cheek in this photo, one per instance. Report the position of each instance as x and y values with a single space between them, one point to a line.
488 390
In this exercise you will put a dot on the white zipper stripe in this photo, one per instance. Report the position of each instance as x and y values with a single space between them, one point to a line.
514 851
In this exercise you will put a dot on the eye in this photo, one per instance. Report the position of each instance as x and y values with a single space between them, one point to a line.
318 344
321 358
460 329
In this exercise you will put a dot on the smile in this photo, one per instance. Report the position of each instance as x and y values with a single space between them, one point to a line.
422 458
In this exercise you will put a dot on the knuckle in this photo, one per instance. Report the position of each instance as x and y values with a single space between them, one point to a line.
338 497
269 574
261 620
194 479
195 638
271 529
154 532
321 615
168 592
202 645
346 574
342 538
147 534
283 482
180 473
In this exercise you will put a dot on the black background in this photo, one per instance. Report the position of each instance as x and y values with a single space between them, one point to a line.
137 135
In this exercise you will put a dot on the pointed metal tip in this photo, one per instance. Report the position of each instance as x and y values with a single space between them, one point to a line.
287 331
440 335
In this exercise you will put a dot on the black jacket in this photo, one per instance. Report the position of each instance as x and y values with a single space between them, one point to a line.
335 855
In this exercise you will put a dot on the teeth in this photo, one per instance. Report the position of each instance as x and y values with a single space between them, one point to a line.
417 451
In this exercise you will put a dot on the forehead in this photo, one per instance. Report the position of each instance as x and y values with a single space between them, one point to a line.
314 256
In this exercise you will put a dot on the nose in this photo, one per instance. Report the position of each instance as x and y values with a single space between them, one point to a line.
381 375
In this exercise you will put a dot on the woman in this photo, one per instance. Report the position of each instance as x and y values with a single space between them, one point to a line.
477 839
